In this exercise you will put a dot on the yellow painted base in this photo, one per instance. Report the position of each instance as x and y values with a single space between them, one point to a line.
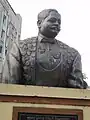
10 93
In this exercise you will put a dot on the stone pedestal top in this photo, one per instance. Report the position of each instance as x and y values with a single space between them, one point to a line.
40 91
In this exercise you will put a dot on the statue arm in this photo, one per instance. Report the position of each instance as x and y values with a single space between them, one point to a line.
11 69
76 77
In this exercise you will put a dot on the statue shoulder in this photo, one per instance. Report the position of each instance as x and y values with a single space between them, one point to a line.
27 45
62 45
27 41
69 50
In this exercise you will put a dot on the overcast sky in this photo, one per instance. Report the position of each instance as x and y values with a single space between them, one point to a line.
75 23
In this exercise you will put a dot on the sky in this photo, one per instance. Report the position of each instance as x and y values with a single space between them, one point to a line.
75 23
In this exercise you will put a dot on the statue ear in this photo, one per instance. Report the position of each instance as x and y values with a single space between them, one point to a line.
39 23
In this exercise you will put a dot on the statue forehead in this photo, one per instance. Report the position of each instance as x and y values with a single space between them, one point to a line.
47 13
54 14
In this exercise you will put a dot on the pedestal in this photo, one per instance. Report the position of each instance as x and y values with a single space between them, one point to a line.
18 102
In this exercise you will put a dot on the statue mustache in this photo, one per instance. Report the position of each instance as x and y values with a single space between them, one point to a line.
55 27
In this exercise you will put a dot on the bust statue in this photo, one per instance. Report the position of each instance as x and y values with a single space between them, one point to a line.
43 60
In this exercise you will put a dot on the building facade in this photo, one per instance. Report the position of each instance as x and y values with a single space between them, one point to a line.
10 29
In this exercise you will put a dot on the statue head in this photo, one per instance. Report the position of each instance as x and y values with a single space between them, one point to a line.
49 21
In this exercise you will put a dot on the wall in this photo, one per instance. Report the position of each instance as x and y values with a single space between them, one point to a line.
10 29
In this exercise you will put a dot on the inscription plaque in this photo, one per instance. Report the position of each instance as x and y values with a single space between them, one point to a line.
31 113
37 116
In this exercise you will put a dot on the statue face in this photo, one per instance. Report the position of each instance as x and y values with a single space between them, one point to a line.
50 26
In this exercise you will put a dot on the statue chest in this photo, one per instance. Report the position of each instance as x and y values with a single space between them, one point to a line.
45 55
44 58
49 56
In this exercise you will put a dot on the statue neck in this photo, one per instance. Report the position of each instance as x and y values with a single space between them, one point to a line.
44 39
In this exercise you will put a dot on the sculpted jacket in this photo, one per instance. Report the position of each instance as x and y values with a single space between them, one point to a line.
38 62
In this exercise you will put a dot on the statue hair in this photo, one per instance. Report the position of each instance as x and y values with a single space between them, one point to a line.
44 13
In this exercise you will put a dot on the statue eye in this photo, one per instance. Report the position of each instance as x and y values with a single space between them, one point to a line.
52 20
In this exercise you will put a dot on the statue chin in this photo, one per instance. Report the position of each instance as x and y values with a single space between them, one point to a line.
50 34
53 34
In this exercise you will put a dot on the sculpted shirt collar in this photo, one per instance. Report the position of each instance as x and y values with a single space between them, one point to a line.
44 39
